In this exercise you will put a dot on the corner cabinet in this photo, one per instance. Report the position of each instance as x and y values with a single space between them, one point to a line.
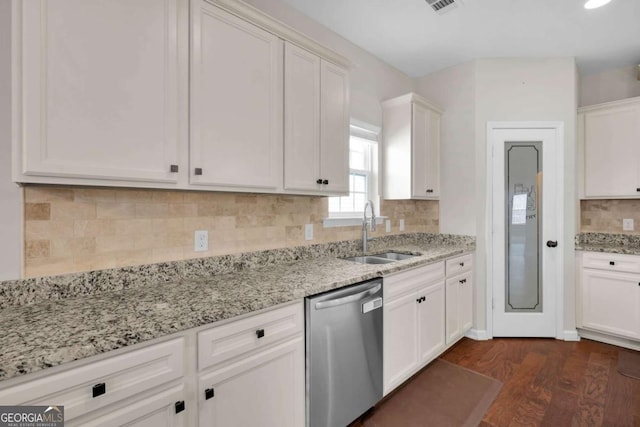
609 295
609 140
94 103
316 123
411 144
236 102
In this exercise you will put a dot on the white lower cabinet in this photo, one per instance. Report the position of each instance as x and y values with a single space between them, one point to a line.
459 306
265 389
609 295
413 322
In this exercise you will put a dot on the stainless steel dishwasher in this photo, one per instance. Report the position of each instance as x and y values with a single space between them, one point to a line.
343 353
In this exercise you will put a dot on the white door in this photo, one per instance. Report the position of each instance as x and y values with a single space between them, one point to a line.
525 216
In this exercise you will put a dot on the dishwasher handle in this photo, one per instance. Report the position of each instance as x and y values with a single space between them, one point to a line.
348 298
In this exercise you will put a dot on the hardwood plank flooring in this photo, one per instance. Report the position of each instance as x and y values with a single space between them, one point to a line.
547 383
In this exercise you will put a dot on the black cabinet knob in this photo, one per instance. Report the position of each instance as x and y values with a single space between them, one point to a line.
552 243
260 333
319 181
463 281
208 394
429 190
197 171
174 168
638 190
325 181
179 406
419 300
462 264
612 263
99 389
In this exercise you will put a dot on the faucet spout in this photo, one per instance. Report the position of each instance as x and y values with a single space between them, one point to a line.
372 224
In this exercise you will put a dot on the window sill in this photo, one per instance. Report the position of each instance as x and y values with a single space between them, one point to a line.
348 221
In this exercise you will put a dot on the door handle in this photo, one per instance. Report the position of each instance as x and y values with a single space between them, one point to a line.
347 298
552 243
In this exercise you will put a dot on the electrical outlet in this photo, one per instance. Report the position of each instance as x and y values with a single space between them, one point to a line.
308 232
201 241
387 224
627 224
402 225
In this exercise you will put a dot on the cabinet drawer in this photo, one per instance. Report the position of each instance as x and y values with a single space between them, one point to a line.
611 262
220 343
401 283
124 376
459 264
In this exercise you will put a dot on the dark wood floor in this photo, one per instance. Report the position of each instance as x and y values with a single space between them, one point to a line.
551 383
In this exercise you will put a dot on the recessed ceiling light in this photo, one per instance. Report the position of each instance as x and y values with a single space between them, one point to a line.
592 4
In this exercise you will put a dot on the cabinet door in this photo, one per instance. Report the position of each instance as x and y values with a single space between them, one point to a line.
400 340
612 151
302 119
452 296
465 302
236 102
431 315
264 389
425 140
99 89
158 410
334 128
611 302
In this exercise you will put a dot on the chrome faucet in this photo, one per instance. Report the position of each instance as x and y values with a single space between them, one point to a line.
372 224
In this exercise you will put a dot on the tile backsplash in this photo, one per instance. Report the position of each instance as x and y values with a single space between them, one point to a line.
605 216
73 229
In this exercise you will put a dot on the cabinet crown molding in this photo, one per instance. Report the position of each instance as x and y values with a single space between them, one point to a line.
411 97
280 29
618 103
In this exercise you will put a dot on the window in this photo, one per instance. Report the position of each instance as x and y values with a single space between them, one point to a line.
363 174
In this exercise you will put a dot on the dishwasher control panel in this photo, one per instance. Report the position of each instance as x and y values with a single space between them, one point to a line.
371 305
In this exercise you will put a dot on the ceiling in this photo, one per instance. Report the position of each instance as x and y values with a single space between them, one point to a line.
409 35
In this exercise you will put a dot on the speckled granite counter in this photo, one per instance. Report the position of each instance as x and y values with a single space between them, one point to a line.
47 333
609 243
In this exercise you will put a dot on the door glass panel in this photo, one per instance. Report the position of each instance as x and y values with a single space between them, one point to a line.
523 162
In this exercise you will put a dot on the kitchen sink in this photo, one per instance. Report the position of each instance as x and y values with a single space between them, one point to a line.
383 258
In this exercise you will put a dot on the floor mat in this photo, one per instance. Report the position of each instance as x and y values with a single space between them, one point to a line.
442 395
629 363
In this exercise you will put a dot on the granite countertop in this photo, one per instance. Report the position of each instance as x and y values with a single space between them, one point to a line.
53 332
608 243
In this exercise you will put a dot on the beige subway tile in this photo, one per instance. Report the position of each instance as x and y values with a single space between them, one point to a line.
167 197
134 257
246 199
115 210
198 223
47 194
134 195
94 227
106 244
208 209
165 225
94 262
152 210
48 267
61 211
35 230
78 246
37 249
294 232
183 210
37 211
224 222
95 194
167 254
144 241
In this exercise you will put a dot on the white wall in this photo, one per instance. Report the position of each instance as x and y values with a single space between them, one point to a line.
527 90
10 193
372 80
454 90
610 85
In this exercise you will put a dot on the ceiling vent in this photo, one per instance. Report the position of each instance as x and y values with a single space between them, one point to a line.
443 6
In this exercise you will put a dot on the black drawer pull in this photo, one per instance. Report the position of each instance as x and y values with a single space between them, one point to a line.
260 333
197 171
462 264
552 243
99 389
463 281
421 300
325 181
612 263
174 168
638 190
430 190
208 394
319 181
179 406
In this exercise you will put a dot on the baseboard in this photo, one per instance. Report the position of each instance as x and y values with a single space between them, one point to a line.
571 335
610 339
477 334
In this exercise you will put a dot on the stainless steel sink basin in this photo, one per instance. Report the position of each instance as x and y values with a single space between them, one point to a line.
368 260
383 258
395 256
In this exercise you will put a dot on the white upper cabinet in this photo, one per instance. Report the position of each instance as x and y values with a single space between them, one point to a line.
411 144
236 102
610 139
316 124
97 90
